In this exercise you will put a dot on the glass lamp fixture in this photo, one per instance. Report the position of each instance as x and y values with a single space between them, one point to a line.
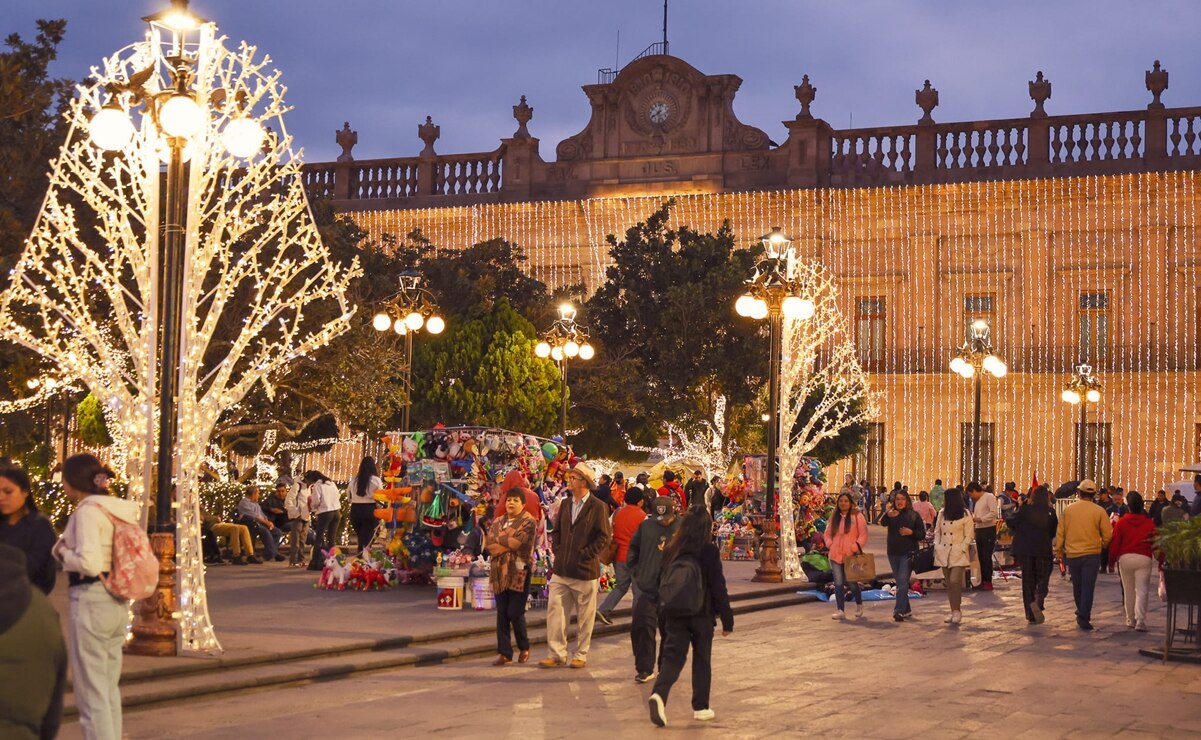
587 352
399 327
957 364
381 322
414 320
556 354
1070 396
180 116
1093 395
110 129
542 349
745 305
567 312
571 349
243 137
435 325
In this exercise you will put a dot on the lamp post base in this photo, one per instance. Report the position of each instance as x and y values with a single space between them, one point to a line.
769 556
154 631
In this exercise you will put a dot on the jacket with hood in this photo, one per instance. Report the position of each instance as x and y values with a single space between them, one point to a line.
33 670
644 557
1133 534
674 490
87 542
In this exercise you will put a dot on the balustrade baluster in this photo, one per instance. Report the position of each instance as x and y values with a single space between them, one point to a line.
1175 137
994 147
1190 136
1123 140
957 148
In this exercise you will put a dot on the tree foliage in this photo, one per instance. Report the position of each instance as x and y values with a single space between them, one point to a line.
484 372
89 418
670 342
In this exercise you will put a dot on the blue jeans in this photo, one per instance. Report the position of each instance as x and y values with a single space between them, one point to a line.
840 580
1084 571
270 537
901 564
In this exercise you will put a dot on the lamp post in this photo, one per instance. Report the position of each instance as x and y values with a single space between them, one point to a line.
565 340
174 115
774 293
407 312
1082 389
975 358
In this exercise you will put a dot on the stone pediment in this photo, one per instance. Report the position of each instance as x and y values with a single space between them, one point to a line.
660 105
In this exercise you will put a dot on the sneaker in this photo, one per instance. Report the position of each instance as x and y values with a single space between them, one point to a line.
907 614
239 560
840 614
950 618
897 617
1037 611
703 715
658 711
643 677
859 610
603 618
956 617
1086 626
253 559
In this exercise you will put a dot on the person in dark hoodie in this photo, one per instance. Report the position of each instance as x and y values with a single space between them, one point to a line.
24 527
671 487
33 667
1033 527
644 559
906 531
694 541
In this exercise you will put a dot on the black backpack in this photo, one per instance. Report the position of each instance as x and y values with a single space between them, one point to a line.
682 588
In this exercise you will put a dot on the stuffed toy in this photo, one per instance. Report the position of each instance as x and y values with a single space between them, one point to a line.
395 459
336 574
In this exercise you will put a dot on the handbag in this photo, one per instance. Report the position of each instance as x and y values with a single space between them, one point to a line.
609 554
860 567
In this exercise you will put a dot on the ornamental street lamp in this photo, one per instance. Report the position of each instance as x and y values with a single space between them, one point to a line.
406 313
774 293
565 340
181 124
1082 389
975 358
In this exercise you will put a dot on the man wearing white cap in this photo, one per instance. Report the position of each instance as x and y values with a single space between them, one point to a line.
580 534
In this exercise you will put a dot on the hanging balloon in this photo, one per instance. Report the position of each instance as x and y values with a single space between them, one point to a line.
550 450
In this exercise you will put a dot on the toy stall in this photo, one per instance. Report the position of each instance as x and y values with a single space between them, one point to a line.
737 525
441 487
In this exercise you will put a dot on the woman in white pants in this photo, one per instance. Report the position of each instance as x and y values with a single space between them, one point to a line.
1130 550
98 620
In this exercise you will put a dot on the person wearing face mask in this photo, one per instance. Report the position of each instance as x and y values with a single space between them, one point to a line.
25 528
97 619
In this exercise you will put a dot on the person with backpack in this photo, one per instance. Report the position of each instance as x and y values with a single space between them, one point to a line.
1033 527
97 618
644 560
906 531
954 533
846 534
692 595
297 502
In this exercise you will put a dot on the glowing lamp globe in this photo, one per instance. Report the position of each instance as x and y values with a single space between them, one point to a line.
1000 369
242 137
180 116
399 327
571 349
414 321
556 354
957 365
542 349
435 325
1093 395
993 365
968 371
1070 396
745 305
801 309
760 309
110 129
587 352
381 322
51 384
32 383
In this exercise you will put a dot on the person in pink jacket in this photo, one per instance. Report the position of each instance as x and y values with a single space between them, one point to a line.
847 534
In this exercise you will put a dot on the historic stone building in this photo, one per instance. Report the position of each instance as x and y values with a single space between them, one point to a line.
1075 238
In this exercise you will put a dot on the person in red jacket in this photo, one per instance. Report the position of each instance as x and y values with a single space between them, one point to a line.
673 490
1130 550
625 521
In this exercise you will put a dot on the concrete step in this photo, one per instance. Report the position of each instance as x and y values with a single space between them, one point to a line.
214 677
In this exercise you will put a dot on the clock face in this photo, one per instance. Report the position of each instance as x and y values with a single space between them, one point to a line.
657 112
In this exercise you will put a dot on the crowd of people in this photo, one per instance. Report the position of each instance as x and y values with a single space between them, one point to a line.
1103 530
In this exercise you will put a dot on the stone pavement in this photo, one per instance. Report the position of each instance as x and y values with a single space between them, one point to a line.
789 672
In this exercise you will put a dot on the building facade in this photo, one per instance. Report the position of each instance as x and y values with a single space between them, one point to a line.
1073 237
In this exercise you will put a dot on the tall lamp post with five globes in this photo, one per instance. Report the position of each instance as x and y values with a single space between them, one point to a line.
406 313
565 340
976 357
1082 389
774 293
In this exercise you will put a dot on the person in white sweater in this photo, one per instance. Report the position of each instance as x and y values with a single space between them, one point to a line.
326 505
954 532
97 619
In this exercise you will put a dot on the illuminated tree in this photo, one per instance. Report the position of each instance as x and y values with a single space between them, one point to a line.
253 260
824 392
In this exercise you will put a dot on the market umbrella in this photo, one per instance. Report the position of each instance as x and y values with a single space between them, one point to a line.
1067 489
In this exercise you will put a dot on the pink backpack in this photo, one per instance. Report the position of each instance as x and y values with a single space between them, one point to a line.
134 573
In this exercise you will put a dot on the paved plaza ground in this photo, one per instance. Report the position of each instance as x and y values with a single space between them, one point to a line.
787 672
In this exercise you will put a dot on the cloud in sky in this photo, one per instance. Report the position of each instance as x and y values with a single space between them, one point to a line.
384 66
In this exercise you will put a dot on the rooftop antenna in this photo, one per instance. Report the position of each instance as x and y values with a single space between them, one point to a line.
617 53
664 26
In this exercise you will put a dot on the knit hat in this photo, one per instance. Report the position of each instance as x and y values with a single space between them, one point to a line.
663 507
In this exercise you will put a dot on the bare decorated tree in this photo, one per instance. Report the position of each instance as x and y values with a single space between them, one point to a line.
258 286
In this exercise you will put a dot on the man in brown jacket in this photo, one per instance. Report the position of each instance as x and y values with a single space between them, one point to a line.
581 531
